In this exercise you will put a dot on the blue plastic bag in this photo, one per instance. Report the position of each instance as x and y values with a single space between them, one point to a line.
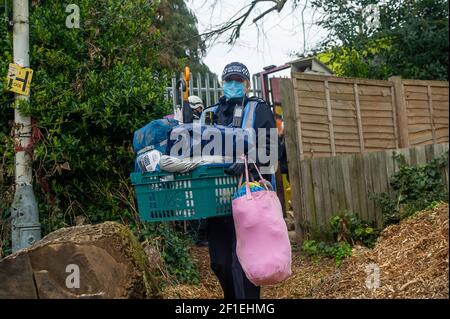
154 135
183 143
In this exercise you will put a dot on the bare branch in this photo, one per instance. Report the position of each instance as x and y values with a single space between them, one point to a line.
279 6
303 27
237 21
235 25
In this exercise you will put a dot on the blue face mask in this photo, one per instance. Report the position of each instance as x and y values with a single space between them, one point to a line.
233 89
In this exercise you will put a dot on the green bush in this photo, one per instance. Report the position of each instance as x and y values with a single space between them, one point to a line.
173 246
414 189
6 146
339 250
92 88
346 230
350 228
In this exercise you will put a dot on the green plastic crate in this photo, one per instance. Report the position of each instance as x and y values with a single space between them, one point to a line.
201 193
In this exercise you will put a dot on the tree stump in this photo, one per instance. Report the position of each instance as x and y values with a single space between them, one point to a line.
92 261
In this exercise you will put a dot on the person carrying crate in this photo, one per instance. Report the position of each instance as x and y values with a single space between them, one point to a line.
235 109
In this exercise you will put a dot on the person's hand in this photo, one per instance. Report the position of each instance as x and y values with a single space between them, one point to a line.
236 169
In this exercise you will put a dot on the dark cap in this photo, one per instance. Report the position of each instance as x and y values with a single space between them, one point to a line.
236 68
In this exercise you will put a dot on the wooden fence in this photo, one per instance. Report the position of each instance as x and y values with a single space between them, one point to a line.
427 107
327 116
334 115
343 183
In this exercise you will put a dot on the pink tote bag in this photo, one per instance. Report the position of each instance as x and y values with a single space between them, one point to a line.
262 242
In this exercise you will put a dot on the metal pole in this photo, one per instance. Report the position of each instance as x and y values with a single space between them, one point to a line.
26 229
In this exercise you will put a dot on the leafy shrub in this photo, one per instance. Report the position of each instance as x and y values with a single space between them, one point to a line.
92 88
174 249
350 228
414 189
346 230
6 145
339 251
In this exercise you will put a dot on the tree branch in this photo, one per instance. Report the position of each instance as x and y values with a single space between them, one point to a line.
279 6
236 22
303 27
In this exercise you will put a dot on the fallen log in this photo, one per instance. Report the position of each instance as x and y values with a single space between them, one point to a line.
91 261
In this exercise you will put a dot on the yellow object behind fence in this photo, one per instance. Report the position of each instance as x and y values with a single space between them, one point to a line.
287 192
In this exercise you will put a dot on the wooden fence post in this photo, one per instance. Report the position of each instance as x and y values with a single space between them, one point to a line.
293 154
402 113
394 118
430 107
358 117
330 118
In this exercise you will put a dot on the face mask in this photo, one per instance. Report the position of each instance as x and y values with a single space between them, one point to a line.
233 89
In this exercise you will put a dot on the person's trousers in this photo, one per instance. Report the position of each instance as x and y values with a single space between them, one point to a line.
224 262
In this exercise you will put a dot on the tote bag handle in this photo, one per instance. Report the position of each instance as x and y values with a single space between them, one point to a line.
247 186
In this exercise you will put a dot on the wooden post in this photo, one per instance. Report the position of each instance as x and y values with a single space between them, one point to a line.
279 179
430 107
280 190
358 116
298 124
394 118
293 154
402 114
330 119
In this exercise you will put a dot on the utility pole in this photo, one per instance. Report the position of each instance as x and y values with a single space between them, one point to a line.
26 229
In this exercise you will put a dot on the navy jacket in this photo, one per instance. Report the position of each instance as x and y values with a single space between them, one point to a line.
263 115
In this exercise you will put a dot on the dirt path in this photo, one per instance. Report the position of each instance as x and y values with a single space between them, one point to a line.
306 273
412 260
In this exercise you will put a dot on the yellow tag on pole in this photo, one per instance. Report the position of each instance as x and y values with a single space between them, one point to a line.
19 79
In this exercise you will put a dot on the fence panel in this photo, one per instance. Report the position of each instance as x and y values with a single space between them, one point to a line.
344 115
427 107
349 115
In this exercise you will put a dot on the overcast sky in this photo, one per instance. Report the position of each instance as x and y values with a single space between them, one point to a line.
278 36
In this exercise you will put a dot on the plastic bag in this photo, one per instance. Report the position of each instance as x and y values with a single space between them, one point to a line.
154 135
190 140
